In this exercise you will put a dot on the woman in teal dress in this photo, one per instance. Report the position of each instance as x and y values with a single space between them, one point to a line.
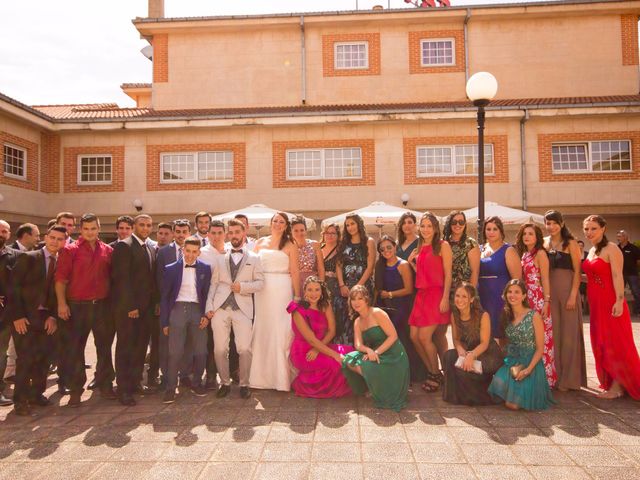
522 382
380 362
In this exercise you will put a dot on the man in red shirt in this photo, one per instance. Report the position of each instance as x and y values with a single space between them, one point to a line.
82 287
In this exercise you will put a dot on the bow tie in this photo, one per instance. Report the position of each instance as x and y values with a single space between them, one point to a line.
190 266
237 251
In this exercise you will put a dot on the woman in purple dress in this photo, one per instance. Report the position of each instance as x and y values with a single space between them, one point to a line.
318 363
499 263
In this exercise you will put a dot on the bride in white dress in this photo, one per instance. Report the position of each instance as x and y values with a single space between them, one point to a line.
272 334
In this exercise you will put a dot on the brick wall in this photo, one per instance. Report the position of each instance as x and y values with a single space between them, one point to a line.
415 51
239 166
629 36
545 165
500 159
71 169
50 172
160 44
367 147
31 182
328 51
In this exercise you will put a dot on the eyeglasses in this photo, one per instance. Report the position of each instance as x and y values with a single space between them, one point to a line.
387 248
458 222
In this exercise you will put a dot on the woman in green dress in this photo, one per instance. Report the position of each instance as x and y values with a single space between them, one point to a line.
380 362
522 382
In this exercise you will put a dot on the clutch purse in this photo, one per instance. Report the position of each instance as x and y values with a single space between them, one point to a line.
515 370
477 365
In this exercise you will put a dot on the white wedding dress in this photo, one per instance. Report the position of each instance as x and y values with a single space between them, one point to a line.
272 333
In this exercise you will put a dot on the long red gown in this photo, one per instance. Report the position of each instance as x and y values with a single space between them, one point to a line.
611 337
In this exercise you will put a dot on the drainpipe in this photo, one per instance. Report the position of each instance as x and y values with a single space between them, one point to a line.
523 160
466 46
303 61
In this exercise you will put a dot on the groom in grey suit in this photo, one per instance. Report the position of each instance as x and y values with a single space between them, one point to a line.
236 275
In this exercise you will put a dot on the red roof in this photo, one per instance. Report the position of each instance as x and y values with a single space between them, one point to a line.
111 111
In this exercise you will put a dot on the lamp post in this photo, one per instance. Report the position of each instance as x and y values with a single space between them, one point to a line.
481 88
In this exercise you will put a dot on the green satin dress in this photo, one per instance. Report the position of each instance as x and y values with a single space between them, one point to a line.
388 381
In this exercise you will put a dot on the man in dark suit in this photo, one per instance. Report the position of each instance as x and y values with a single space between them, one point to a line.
32 311
8 257
160 360
68 221
27 237
133 299
185 287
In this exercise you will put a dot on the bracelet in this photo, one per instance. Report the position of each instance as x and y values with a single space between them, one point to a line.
340 286
376 352
390 295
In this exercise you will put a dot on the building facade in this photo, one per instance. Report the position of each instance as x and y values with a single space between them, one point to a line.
326 112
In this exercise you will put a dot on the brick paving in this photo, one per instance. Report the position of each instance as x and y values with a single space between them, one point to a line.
278 436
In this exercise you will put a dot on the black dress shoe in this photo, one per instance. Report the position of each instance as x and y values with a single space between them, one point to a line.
223 391
127 400
62 390
41 401
22 409
108 393
92 385
4 401
169 396
53 369
245 392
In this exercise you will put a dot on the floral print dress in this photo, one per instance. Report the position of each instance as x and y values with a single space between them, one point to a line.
535 296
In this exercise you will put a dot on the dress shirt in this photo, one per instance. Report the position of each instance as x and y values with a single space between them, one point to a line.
208 254
85 271
21 247
147 248
237 256
188 292
204 241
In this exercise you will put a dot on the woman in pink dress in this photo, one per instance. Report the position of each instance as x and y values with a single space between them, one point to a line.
430 314
617 361
535 269
318 363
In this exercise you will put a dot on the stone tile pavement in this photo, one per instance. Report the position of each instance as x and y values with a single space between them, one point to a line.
278 436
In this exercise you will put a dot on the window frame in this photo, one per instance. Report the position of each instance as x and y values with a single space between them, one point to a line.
588 144
82 156
358 42
435 65
452 149
195 158
322 175
24 161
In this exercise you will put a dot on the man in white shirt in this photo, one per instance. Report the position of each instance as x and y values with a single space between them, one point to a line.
215 243
203 220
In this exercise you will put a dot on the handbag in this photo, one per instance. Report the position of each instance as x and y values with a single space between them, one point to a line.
515 370
477 365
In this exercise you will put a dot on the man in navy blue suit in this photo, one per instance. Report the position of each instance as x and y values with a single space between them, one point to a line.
185 286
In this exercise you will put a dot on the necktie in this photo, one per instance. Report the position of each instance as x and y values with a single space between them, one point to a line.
49 280
179 253
204 242
147 249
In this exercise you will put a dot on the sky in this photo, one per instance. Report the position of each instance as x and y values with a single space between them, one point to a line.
81 51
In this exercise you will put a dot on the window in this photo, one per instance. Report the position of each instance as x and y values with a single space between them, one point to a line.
452 160
438 52
324 163
94 169
15 162
607 156
351 55
196 167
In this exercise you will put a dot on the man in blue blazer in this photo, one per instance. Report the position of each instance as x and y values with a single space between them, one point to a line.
185 287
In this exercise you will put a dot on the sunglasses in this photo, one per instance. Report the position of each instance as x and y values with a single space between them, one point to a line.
386 248
458 222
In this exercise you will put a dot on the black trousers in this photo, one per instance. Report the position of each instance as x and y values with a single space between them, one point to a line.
86 317
32 363
131 348
154 349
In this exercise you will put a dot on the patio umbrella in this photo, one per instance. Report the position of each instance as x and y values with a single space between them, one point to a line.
509 216
377 214
259 216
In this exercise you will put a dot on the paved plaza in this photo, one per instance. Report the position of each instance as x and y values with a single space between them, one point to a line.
278 436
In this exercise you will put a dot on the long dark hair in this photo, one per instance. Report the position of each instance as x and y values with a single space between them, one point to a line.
446 231
286 235
358 290
399 232
497 221
346 236
381 263
521 248
435 241
325 296
507 312
603 223
565 233
476 308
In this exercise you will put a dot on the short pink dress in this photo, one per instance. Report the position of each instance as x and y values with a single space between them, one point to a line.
430 288
322 377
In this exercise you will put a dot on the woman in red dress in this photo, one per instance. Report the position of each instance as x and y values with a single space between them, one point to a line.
430 314
617 361
535 271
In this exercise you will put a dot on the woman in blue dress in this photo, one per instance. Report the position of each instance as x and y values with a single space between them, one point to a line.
499 263
522 382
